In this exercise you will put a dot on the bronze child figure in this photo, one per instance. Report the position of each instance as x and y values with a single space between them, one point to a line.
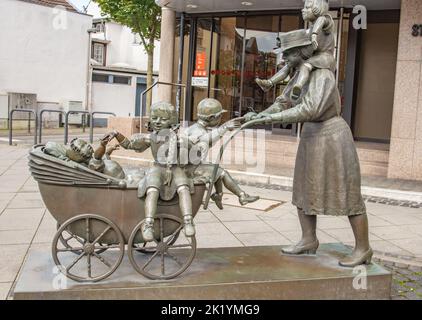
82 152
165 178
323 43
201 139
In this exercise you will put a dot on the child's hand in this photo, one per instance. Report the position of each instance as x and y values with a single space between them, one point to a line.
233 124
315 44
110 150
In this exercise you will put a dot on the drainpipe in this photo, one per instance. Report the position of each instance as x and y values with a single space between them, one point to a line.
88 93
339 44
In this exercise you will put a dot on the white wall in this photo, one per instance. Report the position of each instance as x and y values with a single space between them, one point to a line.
111 97
117 98
122 49
43 50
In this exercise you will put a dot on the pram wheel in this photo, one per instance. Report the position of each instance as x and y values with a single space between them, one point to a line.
169 255
86 231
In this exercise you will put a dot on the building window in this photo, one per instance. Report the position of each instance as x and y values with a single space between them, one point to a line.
99 77
121 80
98 53
99 26
109 78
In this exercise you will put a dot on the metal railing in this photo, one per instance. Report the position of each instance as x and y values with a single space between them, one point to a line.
66 123
29 125
91 123
40 122
180 85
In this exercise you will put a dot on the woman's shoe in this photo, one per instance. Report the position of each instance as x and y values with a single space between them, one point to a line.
309 248
356 261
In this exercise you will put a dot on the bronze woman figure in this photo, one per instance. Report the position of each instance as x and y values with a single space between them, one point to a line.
327 173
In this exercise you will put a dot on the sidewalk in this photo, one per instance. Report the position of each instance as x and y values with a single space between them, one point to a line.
395 231
375 188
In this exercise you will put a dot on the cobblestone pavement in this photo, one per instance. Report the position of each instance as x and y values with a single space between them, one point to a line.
407 281
395 231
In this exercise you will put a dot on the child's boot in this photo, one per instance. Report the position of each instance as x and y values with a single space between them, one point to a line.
148 229
244 198
189 228
218 199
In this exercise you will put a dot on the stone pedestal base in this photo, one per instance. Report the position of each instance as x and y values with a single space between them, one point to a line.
220 273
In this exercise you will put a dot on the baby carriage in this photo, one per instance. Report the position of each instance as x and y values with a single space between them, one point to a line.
99 217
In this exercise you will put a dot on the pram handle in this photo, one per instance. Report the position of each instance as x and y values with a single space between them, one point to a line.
220 156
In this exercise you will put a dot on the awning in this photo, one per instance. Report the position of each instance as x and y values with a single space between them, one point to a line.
206 6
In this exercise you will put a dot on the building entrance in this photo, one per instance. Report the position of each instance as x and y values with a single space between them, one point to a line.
224 53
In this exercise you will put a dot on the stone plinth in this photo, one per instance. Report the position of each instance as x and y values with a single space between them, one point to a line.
219 273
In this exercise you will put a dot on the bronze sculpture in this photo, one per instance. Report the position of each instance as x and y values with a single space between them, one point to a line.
81 152
327 177
166 177
321 30
209 116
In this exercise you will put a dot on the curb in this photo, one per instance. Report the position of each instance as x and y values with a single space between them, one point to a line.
398 262
257 178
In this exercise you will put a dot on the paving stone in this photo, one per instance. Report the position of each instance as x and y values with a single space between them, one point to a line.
205 217
392 232
415 269
10 221
261 204
235 214
262 239
16 236
44 235
216 240
18 204
6 196
284 224
332 223
345 235
12 257
248 227
212 228
324 237
4 289
414 245
28 211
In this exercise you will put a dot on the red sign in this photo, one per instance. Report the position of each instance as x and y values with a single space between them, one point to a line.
201 64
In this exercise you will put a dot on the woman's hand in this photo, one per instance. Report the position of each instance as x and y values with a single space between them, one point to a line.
262 115
263 120
264 84
250 116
